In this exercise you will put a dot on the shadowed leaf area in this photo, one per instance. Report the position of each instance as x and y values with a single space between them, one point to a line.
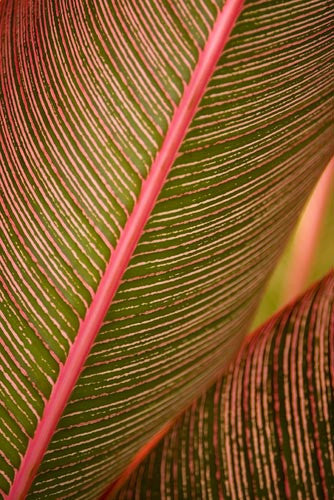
265 429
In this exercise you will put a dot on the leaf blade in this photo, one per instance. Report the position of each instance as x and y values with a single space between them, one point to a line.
225 293
110 280
265 428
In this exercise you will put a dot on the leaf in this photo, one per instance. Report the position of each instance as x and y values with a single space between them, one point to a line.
265 429
92 97
313 233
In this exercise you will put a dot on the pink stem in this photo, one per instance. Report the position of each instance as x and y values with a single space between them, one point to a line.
307 236
119 259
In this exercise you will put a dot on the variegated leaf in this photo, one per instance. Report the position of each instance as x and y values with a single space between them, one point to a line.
97 108
266 428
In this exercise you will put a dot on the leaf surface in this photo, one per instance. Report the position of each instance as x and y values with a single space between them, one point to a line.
265 429
89 96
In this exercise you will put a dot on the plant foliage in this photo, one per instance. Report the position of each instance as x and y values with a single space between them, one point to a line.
140 215
265 429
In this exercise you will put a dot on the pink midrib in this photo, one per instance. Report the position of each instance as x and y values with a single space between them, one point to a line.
151 187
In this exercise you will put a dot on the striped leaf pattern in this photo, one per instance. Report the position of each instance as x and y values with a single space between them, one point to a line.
91 95
265 429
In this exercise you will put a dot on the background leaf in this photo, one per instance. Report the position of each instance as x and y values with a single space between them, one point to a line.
88 92
275 294
265 429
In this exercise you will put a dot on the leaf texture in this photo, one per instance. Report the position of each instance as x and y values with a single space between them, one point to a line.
88 94
265 429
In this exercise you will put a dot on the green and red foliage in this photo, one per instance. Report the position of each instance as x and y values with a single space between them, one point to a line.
155 156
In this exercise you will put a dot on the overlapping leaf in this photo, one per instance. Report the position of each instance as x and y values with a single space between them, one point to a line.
88 92
265 429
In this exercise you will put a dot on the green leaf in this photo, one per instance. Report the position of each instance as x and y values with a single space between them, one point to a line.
265 429
95 101
310 249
